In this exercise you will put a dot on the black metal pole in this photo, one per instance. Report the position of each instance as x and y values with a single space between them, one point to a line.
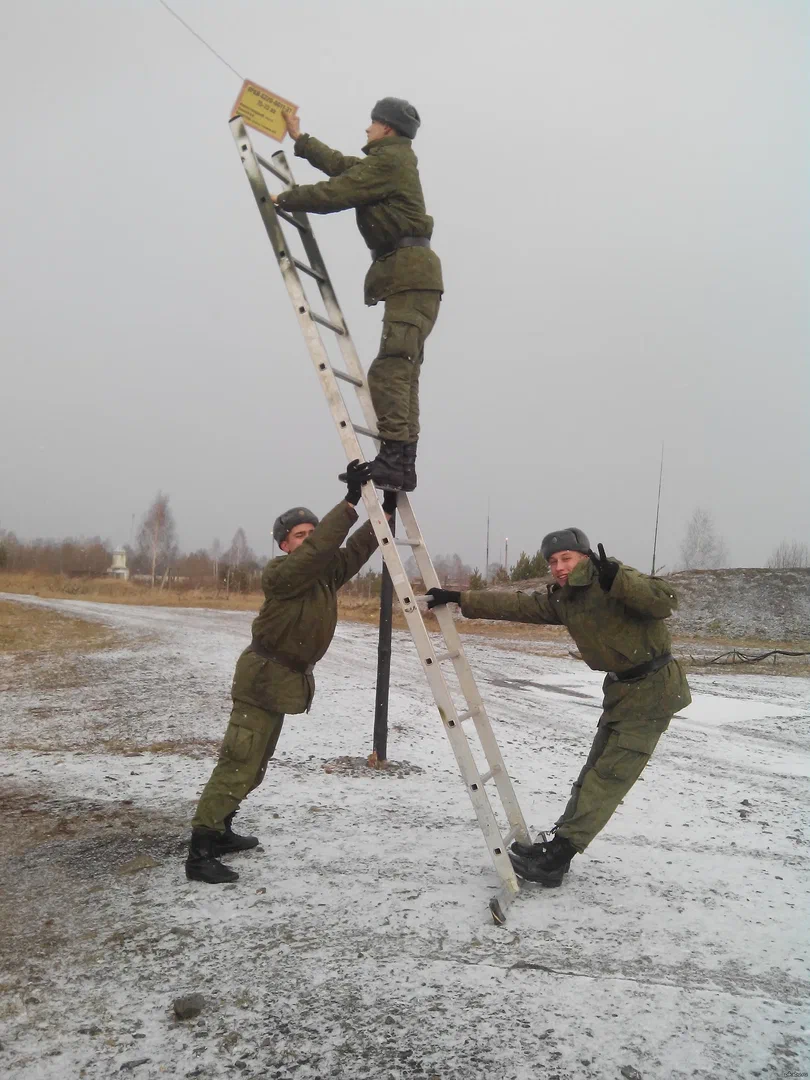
383 661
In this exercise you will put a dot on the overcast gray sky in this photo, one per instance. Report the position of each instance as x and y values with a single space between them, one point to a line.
620 192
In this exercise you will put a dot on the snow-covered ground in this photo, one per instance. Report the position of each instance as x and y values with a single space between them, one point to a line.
357 942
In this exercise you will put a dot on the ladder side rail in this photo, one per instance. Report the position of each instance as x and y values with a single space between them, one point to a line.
329 296
459 742
443 697
295 289
466 679
483 724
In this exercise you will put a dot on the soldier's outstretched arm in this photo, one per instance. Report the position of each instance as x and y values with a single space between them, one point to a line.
359 548
512 607
299 570
368 181
323 157
646 595
317 153
361 545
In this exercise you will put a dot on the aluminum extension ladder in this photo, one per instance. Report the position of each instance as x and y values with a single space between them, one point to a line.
353 374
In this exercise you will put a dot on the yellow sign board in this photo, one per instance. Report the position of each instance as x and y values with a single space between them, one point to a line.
263 110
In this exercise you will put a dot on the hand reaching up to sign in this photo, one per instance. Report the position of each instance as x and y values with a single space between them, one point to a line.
293 125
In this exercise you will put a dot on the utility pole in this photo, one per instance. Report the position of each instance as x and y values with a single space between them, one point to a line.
506 555
380 737
657 508
486 565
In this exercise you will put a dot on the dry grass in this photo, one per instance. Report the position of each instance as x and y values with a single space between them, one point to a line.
46 626
113 591
33 629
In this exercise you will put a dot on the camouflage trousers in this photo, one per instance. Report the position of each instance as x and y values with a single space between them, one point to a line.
249 743
393 377
618 757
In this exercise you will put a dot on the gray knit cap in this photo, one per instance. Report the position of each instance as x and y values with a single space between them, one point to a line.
298 515
397 113
565 540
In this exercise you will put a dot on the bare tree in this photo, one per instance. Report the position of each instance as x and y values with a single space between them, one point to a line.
242 564
157 540
789 555
702 548
452 570
216 555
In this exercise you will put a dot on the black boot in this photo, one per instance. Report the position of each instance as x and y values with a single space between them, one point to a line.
386 468
546 865
202 863
409 466
526 851
232 841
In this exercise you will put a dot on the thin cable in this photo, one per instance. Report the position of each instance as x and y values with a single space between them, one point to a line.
205 43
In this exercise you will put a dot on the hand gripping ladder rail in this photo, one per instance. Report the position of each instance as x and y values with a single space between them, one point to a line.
453 719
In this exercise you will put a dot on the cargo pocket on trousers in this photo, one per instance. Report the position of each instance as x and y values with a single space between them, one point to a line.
623 759
238 743
400 339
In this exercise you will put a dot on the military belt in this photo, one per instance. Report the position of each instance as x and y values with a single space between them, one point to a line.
406 241
641 670
280 658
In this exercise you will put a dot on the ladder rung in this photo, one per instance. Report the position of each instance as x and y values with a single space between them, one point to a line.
302 266
510 836
289 218
487 776
407 543
346 377
441 657
466 715
325 322
366 431
271 168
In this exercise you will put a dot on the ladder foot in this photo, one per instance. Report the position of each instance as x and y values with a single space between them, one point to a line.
501 901
497 912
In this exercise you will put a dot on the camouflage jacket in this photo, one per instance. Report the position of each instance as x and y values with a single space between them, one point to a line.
385 191
614 631
299 614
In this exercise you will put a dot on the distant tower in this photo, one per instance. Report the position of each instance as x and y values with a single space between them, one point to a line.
119 567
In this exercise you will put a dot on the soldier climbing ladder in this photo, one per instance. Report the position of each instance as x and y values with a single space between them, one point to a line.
352 374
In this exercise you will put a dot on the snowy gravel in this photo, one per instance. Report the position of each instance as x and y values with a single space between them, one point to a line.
357 942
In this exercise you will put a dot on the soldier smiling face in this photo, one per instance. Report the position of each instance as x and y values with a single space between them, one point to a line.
561 563
296 536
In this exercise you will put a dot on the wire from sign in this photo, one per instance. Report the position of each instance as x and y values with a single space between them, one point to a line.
199 37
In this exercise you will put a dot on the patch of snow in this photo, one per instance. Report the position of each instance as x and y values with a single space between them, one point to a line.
357 941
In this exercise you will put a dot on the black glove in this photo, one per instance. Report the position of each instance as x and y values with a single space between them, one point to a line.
357 473
442 596
389 503
606 568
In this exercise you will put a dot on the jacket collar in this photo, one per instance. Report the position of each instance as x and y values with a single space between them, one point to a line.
581 576
389 140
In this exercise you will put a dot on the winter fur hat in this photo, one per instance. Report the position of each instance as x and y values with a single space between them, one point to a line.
298 515
565 540
397 113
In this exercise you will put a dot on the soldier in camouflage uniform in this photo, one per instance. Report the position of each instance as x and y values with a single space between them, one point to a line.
385 191
273 675
616 617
